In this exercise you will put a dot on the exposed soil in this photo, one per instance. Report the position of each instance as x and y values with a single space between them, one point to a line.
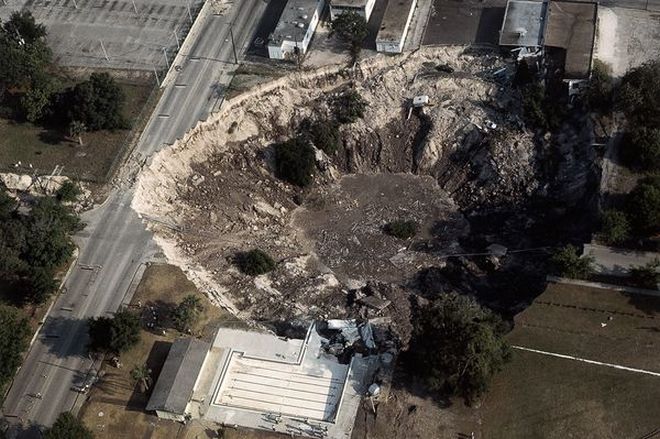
466 184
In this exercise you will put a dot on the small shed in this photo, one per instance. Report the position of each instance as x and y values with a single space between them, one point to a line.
177 380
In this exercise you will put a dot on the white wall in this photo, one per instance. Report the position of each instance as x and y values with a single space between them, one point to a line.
170 416
286 49
364 11
397 46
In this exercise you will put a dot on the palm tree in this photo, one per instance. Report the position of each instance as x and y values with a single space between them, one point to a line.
76 128
141 374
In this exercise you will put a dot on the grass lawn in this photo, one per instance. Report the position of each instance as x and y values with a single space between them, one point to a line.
116 396
46 148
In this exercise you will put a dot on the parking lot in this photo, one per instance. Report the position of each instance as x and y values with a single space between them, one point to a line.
120 34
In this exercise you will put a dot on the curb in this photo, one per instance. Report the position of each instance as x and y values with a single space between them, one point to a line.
584 283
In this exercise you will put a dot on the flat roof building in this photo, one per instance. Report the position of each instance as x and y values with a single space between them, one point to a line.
524 22
177 379
395 25
361 7
295 28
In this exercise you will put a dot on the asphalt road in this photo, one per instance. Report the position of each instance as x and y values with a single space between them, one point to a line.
115 241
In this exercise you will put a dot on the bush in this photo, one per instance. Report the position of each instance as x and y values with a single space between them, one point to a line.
641 148
349 107
615 227
647 276
598 95
325 136
568 263
255 262
295 161
69 191
186 312
643 207
402 229
457 346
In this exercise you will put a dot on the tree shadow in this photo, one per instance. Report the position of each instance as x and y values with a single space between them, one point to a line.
155 361
51 136
54 336
21 431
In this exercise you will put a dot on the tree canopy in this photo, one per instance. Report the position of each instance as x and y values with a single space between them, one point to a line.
14 336
641 148
567 262
114 335
96 102
67 426
295 161
187 312
639 94
352 29
349 106
643 206
458 346
615 227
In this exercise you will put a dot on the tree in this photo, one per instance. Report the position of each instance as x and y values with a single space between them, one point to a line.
648 275
615 227
68 192
599 93
96 102
568 263
41 283
457 346
142 376
36 101
187 312
14 336
76 129
641 148
67 426
295 161
352 29
402 229
114 335
349 106
643 206
23 27
325 136
255 262
639 94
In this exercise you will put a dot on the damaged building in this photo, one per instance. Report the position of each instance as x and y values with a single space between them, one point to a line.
309 387
560 33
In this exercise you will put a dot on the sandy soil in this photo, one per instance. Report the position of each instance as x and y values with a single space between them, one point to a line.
213 193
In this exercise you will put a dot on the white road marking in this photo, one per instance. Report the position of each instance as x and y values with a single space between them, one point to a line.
570 357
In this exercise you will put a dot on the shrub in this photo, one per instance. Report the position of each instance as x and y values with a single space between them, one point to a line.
69 191
647 276
641 148
295 161
643 206
255 262
402 229
325 136
598 95
349 107
67 426
568 263
186 312
615 227
457 346
639 94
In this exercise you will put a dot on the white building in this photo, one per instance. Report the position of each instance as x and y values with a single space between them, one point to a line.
395 25
361 7
295 29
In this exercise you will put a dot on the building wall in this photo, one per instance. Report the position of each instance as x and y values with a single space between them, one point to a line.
170 416
397 46
363 11
286 49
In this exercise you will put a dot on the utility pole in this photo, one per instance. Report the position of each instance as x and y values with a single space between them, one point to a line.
176 38
75 4
156 75
105 53
134 7
189 13
167 61
233 46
